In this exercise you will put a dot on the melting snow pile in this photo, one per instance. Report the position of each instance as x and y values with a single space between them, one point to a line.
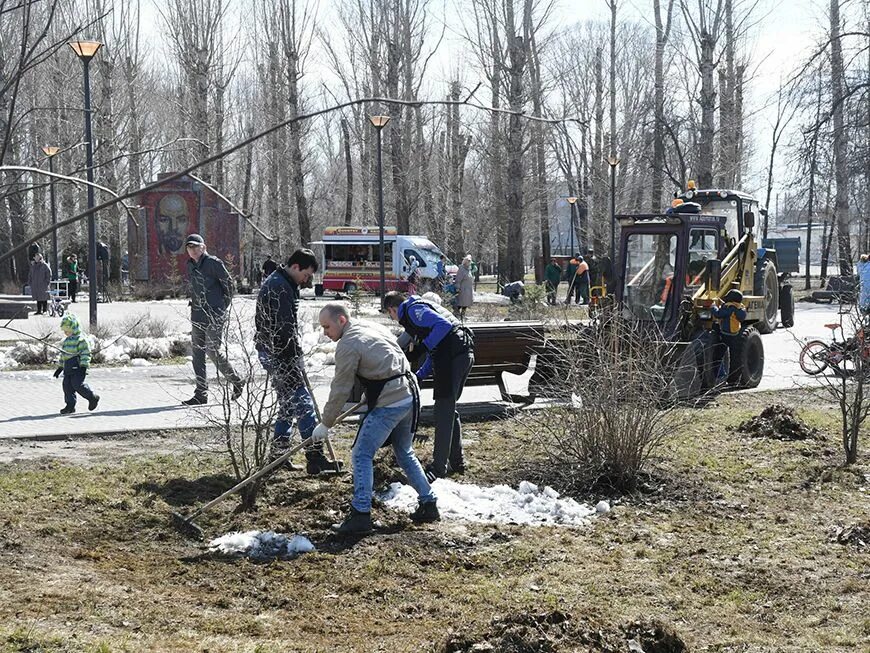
261 544
500 504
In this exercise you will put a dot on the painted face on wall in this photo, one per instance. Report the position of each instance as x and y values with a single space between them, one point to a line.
172 224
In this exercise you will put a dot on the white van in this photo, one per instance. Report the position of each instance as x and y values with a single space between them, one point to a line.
351 260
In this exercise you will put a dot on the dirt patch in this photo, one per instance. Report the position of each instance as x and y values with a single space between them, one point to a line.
853 535
778 422
556 631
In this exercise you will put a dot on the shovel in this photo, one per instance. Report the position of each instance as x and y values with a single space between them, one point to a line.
186 524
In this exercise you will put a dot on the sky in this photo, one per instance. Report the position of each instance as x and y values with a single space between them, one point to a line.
783 34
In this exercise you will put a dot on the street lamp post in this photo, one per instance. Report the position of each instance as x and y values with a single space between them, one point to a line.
379 122
572 201
50 151
85 50
613 161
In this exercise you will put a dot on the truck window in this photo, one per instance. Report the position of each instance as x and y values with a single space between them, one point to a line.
649 275
726 208
412 252
703 246
341 255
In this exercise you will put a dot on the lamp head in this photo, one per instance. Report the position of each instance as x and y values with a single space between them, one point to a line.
379 121
613 161
85 50
571 200
50 150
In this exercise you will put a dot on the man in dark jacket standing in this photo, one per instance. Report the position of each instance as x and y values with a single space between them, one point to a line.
450 355
280 353
552 277
211 290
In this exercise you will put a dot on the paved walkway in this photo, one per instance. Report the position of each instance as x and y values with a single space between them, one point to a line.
131 399
148 398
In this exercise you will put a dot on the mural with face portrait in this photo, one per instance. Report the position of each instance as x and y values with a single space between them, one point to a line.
173 224
168 215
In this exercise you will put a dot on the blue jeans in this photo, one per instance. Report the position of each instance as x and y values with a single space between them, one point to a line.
294 400
377 426
74 382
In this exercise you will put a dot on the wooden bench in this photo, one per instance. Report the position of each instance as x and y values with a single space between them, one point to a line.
501 347
15 307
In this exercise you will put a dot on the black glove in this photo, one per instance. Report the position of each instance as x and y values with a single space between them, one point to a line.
58 372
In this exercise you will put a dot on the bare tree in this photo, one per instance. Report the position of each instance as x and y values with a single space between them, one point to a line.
841 142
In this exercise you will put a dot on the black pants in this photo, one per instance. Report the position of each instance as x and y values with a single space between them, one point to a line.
74 382
73 288
552 291
41 307
448 427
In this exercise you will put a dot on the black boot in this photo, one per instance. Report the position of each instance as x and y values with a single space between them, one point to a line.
196 400
278 448
93 401
66 410
432 474
317 463
426 513
356 523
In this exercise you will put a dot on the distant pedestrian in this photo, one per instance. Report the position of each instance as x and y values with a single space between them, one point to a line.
211 291
413 266
514 291
464 288
269 266
552 277
864 283
72 276
75 360
441 271
39 281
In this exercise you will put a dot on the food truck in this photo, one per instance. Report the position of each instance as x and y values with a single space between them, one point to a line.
351 260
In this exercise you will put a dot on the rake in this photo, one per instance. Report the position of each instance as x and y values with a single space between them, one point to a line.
186 524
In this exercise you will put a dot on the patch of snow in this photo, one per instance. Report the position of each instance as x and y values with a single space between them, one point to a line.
602 507
141 362
500 504
261 544
490 298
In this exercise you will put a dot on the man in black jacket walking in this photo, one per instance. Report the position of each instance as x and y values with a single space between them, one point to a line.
211 290
280 353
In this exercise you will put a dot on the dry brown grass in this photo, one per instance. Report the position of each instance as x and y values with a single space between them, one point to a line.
734 550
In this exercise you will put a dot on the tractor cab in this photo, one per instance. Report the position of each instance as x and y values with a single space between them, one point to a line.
664 261
732 204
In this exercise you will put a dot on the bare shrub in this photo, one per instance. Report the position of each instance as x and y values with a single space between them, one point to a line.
619 390
39 350
144 325
845 368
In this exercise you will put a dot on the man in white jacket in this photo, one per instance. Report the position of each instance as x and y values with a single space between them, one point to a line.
370 353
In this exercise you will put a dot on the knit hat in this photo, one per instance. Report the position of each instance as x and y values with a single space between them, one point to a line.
70 322
734 296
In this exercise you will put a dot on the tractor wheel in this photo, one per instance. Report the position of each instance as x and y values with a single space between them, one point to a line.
786 306
747 360
767 285
687 375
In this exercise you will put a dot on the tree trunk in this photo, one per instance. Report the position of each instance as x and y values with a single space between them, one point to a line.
708 109
841 171
663 29
514 196
348 173
296 158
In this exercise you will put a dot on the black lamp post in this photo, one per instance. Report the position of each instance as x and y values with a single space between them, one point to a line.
613 161
572 201
85 50
50 151
379 123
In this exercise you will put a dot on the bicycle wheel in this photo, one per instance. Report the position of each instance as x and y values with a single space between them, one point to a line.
814 357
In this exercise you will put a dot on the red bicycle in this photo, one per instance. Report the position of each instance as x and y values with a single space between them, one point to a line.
842 356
